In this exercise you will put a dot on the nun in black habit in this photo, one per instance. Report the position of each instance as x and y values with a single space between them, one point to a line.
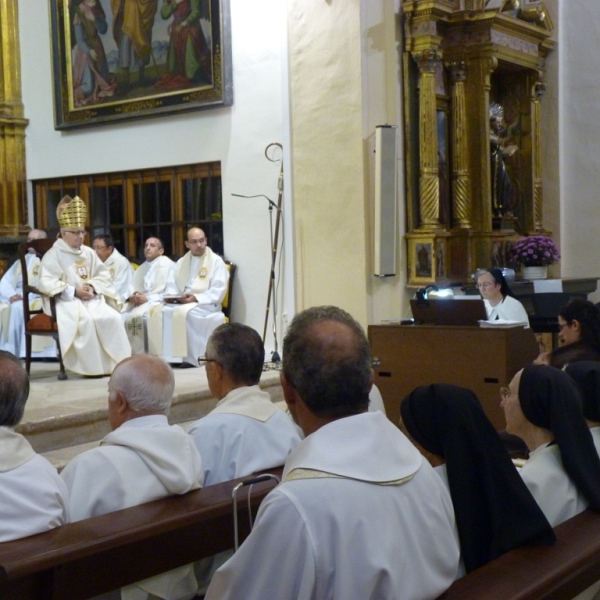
494 510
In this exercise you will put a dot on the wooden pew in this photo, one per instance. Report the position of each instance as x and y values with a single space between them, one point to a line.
90 557
557 572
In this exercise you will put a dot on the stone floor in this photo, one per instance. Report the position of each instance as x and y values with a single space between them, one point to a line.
63 418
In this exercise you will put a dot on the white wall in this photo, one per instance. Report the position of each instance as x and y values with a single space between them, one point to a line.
236 136
579 136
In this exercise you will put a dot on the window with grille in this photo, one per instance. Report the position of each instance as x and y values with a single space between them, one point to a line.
136 205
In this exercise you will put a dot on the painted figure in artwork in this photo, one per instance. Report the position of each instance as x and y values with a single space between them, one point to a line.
189 59
133 21
500 151
92 80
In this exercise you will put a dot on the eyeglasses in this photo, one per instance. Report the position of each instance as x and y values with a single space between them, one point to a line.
561 327
485 285
75 232
505 393
202 360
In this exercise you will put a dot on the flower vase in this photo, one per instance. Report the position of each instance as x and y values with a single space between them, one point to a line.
535 272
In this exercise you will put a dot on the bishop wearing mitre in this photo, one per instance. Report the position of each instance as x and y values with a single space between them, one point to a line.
90 330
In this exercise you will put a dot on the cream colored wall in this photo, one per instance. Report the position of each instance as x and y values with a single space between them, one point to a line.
578 137
236 136
344 80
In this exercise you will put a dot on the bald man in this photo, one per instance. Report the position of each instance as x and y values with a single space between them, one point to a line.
149 283
12 325
142 459
193 310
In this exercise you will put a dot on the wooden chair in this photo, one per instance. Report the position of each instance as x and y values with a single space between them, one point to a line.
226 304
36 321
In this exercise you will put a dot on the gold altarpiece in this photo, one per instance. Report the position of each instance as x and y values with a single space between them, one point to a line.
13 188
459 59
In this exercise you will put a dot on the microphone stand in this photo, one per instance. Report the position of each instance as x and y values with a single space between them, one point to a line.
271 295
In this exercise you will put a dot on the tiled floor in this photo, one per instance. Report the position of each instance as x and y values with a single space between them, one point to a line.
72 414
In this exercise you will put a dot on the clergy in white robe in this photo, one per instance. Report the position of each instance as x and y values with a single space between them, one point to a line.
90 330
119 267
142 459
33 498
246 432
149 283
12 324
197 290
317 534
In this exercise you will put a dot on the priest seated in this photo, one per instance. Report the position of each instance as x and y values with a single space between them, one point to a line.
193 297
90 330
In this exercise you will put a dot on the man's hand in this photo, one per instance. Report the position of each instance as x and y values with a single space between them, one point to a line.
15 298
188 298
84 292
137 298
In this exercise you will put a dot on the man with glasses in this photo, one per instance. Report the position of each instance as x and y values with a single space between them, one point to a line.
90 330
193 297
120 268
245 432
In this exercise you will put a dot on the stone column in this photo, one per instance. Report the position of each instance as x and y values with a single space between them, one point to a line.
429 182
13 189
461 181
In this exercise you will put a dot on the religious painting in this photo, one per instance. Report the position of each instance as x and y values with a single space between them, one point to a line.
116 60
424 261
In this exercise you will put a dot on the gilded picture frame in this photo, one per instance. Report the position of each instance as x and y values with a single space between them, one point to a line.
118 60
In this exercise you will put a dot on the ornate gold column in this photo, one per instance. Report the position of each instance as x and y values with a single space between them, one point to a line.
461 181
539 88
429 183
13 190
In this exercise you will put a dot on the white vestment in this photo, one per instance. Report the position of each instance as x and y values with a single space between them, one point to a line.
12 324
550 485
91 333
187 327
244 434
33 498
510 309
150 279
144 459
360 514
121 272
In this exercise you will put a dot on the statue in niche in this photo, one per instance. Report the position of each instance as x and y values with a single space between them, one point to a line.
500 152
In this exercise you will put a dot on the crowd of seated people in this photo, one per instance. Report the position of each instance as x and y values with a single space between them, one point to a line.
106 312
318 534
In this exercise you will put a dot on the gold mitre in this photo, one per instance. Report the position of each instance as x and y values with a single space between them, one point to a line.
71 212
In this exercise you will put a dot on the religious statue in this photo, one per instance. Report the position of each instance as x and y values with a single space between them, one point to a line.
500 151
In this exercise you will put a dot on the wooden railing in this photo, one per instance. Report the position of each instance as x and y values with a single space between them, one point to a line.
94 556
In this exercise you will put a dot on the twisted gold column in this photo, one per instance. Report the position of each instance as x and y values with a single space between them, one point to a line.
461 181
538 197
13 190
429 183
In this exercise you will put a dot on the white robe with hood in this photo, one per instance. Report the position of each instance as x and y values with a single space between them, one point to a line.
317 534
33 498
91 333
144 459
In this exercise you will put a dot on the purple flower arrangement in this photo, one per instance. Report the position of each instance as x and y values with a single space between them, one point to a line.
534 251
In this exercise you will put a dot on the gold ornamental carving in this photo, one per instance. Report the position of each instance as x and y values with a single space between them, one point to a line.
461 181
429 183
13 189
